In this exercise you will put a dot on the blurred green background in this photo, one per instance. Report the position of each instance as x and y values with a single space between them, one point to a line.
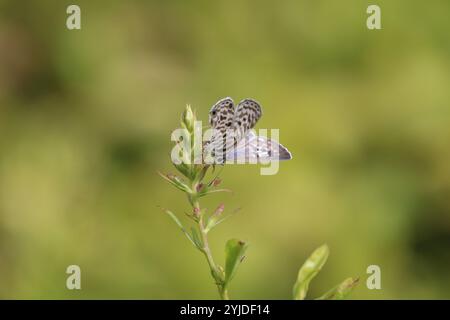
85 123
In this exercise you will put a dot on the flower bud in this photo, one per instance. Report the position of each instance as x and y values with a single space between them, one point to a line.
216 182
188 119
200 187
219 210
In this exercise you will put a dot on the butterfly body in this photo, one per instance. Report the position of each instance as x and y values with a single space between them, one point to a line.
233 138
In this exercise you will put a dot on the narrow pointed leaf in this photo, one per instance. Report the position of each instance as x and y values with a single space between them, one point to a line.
207 191
198 242
217 222
341 291
180 225
184 169
234 253
214 221
175 181
200 174
309 270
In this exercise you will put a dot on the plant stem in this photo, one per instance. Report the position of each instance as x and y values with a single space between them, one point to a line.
216 273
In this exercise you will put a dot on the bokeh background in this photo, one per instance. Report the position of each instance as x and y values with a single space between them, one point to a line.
85 123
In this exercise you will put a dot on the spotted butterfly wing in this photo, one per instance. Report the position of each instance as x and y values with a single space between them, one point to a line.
233 139
221 118
221 114
247 113
258 149
230 126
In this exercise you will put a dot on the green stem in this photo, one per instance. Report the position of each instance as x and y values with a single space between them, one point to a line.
216 273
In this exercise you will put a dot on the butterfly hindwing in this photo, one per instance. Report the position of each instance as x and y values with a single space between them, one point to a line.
258 149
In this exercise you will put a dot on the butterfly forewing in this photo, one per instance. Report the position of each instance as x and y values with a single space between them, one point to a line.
222 114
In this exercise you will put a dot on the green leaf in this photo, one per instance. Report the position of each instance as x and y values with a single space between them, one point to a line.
198 242
214 220
341 291
184 169
309 270
207 191
180 225
175 181
201 172
234 254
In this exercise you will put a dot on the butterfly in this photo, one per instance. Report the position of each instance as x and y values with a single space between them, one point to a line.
233 139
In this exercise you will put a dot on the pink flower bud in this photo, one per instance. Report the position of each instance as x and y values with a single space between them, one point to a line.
216 182
219 210
196 212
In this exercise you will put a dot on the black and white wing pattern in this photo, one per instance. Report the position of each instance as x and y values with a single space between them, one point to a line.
221 117
221 114
232 137
247 114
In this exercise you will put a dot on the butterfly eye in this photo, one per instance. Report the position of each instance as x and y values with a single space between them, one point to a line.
213 113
